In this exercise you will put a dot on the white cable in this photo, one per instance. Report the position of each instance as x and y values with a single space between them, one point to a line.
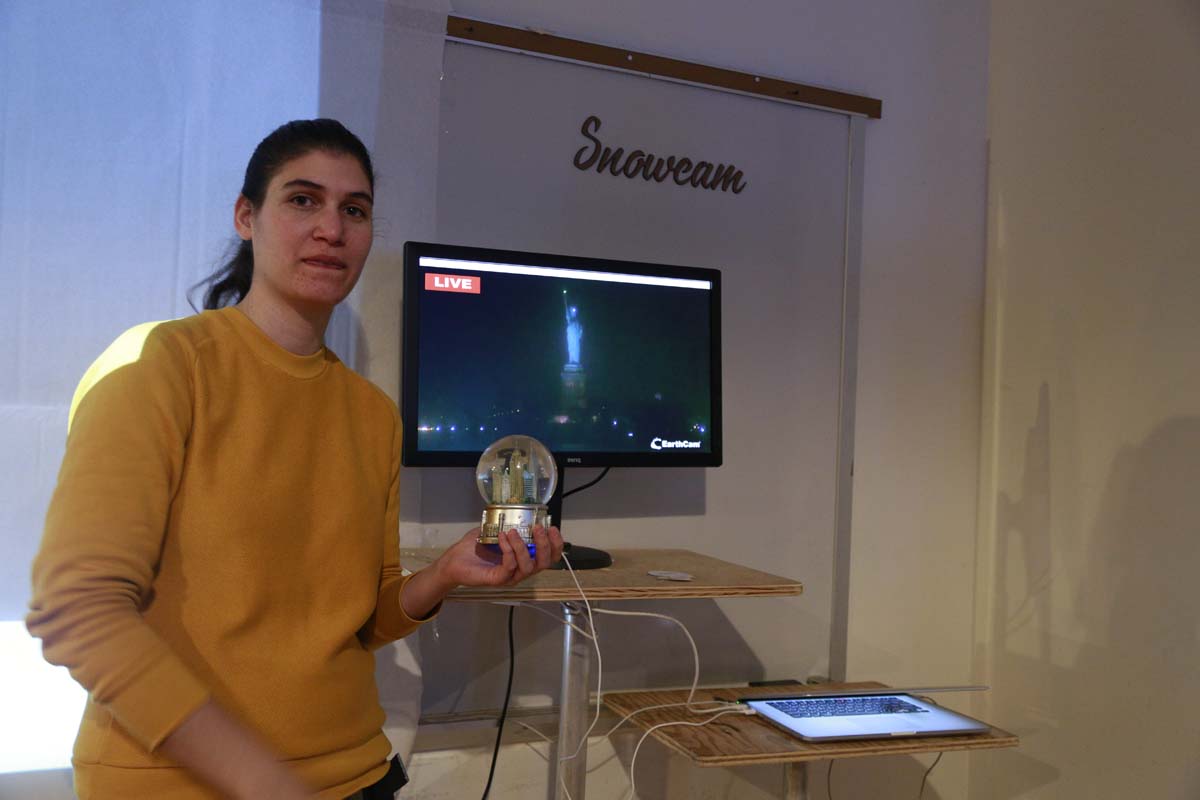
691 641
555 617
534 731
600 671
653 728
545 756
718 711
721 708
721 705
612 756
599 664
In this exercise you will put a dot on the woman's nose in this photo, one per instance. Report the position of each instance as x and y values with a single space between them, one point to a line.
330 225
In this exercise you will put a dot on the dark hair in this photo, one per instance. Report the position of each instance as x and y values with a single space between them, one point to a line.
230 283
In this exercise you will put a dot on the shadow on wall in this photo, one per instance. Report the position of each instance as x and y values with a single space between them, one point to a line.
1131 633
1024 527
1139 609
1023 558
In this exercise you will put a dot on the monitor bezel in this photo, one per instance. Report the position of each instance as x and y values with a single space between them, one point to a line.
410 354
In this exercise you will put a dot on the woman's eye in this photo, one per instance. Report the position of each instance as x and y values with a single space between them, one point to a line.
302 201
358 212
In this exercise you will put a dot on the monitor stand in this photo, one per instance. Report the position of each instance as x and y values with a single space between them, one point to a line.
583 557
580 557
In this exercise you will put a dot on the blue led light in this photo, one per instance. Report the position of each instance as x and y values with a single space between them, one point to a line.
531 547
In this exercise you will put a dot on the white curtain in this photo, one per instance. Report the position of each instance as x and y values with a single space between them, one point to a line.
125 127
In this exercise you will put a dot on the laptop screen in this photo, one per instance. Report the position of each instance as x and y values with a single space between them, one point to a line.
861 716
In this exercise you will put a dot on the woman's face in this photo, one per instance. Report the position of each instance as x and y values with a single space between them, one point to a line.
312 234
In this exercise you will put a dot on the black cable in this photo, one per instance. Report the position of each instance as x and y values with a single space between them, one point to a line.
587 485
512 662
829 779
931 766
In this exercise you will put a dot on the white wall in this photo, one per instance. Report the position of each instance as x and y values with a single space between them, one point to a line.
1092 407
780 247
126 128
921 301
922 298
117 180
119 172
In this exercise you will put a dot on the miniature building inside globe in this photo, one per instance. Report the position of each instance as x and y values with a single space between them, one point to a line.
516 476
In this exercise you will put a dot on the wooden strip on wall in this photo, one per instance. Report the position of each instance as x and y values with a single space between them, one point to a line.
533 42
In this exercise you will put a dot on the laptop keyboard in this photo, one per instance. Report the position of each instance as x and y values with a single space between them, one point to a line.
844 706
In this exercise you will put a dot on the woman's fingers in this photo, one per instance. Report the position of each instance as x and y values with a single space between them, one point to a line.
544 547
508 558
525 564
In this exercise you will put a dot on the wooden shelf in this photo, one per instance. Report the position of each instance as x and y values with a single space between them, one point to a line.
628 579
737 740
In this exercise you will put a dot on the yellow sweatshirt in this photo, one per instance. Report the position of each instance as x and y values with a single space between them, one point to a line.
225 525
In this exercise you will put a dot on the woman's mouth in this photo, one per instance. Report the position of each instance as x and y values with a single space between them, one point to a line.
325 262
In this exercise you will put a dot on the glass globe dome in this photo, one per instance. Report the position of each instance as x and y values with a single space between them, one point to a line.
516 470
516 477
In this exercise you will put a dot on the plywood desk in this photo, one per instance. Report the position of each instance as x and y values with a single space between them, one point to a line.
626 579
736 740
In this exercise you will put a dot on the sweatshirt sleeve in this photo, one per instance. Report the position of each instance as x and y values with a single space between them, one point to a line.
390 622
100 549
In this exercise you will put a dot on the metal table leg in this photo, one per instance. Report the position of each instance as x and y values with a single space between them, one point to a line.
569 776
795 780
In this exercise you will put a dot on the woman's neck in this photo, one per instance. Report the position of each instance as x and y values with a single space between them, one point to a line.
297 331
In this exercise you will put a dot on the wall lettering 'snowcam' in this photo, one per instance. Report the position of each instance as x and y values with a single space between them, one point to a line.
649 167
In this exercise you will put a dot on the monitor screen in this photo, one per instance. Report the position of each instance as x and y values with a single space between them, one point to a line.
607 363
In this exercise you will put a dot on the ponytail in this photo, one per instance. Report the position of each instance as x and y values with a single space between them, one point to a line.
229 284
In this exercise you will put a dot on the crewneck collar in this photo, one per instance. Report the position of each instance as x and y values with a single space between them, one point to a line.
268 350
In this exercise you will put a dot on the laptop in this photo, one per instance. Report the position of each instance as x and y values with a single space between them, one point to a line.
858 715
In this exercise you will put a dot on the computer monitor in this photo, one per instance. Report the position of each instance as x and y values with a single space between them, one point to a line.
608 363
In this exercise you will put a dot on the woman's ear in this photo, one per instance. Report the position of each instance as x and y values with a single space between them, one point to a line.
243 218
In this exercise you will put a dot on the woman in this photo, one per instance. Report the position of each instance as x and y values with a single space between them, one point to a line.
221 551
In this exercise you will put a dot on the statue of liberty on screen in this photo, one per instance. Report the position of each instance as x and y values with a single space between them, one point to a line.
574 335
574 378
